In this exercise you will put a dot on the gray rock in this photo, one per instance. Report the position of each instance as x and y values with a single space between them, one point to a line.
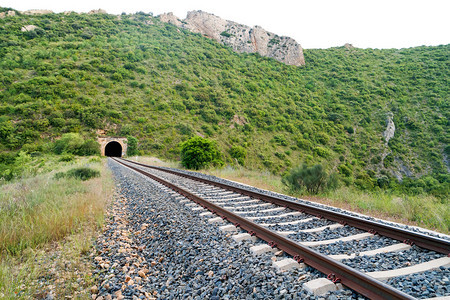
37 12
240 38
28 28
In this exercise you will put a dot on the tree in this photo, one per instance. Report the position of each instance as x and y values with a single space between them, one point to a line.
132 146
198 152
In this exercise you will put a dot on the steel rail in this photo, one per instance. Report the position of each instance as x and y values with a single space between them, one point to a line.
406 236
356 280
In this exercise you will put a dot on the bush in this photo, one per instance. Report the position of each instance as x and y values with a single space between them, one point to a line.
66 157
323 152
199 152
226 34
69 143
344 170
238 153
89 147
73 143
304 144
314 179
82 173
280 140
132 146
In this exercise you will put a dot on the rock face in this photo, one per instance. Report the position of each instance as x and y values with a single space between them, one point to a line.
171 19
390 127
9 13
241 38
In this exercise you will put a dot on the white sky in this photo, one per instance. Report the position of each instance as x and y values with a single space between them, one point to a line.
312 23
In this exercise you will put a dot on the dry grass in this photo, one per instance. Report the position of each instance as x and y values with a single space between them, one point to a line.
424 211
47 227
155 161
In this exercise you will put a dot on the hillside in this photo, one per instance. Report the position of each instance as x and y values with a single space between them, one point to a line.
135 75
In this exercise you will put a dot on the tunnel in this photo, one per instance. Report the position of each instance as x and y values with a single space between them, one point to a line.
113 149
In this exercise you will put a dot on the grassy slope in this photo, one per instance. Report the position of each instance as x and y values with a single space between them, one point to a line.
163 85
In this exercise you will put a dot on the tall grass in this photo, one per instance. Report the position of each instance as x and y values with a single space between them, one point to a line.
42 209
422 210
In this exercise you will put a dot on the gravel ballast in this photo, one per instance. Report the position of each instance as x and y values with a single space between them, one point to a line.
429 284
270 193
392 260
153 246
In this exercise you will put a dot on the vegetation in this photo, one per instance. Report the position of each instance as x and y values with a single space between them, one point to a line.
132 148
135 75
421 210
47 225
239 153
82 173
425 211
313 179
198 153
73 143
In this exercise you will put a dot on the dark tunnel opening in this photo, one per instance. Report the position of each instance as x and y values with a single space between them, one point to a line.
113 149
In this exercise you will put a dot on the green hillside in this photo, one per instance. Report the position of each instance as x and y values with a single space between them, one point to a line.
132 75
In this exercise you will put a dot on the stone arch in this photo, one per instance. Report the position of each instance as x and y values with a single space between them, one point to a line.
105 141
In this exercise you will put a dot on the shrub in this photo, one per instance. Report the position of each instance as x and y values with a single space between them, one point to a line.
344 170
323 152
73 143
383 181
314 179
199 152
226 34
66 157
82 173
304 144
132 146
333 181
349 129
322 138
238 153
69 142
89 147
280 140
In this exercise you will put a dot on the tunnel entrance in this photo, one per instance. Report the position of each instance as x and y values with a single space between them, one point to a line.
113 149
118 145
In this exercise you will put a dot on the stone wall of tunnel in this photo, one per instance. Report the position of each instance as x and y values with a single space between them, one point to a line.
114 143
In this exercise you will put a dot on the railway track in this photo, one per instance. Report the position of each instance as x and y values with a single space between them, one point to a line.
309 233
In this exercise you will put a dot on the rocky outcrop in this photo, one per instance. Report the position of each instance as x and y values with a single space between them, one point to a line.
9 13
349 46
241 38
97 11
390 127
28 28
171 19
37 12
